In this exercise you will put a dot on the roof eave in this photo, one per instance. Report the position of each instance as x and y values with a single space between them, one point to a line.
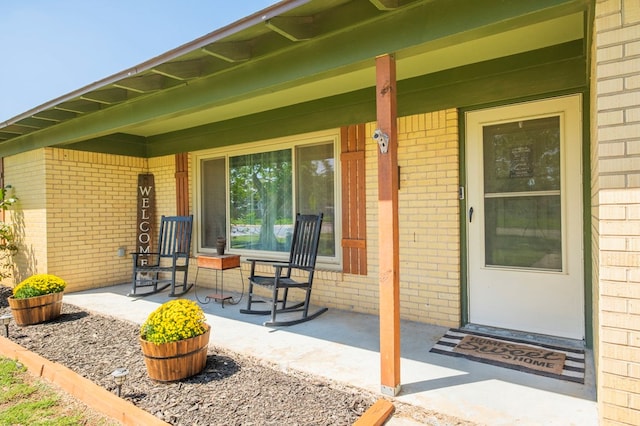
219 34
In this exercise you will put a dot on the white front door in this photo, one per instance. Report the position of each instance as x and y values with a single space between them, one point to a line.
524 217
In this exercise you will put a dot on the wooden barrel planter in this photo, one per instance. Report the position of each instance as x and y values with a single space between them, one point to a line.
34 310
168 362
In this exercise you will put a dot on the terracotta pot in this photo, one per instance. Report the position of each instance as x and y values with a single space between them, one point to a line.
34 310
168 362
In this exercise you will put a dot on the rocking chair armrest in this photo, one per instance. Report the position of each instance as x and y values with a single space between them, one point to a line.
290 267
177 255
267 262
273 262
302 268
154 261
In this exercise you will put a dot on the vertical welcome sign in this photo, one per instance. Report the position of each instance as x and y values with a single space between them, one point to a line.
146 214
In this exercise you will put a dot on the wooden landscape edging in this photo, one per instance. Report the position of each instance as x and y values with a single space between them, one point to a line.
377 414
79 387
120 409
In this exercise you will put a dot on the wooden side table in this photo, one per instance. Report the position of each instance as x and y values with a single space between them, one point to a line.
218 262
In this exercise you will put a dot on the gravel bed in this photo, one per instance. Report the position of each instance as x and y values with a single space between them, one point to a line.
233 389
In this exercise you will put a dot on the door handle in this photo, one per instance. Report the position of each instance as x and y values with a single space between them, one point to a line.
470 214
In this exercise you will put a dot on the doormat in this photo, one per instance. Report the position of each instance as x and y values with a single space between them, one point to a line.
542 359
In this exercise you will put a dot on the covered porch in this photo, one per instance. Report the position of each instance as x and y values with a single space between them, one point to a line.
344 346
302 74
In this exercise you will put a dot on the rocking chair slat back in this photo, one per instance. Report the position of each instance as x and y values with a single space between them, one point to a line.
304 244
158 269
175 236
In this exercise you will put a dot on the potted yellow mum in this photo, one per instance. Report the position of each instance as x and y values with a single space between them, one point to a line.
174 341
37 299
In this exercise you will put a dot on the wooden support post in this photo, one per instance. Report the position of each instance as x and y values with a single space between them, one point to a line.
387 134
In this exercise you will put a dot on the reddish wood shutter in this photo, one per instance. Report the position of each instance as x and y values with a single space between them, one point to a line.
354 230
182 184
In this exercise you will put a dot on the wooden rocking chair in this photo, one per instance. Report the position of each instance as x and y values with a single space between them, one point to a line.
158 269
302 258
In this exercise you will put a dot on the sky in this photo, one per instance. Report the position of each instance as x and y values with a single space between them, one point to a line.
53 47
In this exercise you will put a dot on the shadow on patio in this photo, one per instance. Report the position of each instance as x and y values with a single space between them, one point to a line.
343 346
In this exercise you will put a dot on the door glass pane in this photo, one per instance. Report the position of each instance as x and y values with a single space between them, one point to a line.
316 187
523 215
522 156
523 232
214 202
260 201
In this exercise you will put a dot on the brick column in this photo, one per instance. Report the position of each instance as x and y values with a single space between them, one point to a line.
615 171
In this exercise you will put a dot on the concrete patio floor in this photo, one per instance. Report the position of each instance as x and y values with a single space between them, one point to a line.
343 346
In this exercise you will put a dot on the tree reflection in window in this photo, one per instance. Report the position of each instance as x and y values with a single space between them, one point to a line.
315 184
260 200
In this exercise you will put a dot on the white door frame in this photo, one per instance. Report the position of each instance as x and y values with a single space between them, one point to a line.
538 301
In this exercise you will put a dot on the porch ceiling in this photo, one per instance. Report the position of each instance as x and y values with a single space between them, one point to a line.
294 52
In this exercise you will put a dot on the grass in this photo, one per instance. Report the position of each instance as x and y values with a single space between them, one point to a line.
25 400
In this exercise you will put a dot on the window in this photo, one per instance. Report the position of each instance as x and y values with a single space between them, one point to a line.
213 215
523 214
316 190
252 196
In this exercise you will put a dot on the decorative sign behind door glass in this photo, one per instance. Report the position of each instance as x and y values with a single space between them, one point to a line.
520 164
522 194
522 156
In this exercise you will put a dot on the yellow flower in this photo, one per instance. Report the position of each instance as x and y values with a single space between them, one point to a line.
38 285
175 320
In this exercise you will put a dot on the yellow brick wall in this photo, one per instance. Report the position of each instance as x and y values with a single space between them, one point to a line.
91 201
76 209
26 174
84 205
428 156
616 208
428 210
91 212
